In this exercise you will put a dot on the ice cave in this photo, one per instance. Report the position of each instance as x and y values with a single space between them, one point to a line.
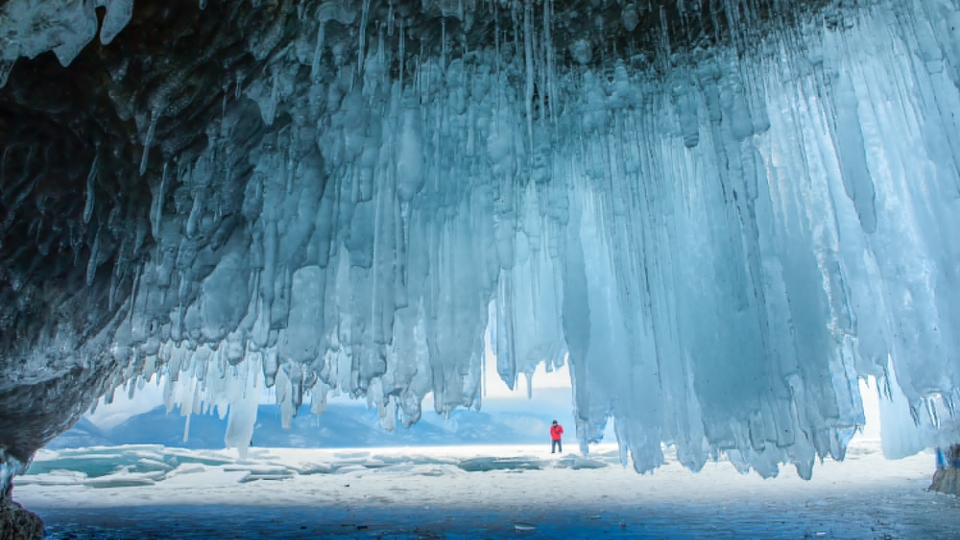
721 214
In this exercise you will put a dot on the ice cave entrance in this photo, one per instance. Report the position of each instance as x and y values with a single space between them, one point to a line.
720 215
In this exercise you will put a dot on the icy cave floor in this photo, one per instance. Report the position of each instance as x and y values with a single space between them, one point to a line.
471 492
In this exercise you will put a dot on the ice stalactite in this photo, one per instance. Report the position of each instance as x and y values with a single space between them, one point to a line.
118 14
721 240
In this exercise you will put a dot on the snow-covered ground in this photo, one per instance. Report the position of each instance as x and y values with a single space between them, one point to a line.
468 492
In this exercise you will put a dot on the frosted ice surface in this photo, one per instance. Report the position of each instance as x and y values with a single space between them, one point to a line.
31 27
719 250
117 16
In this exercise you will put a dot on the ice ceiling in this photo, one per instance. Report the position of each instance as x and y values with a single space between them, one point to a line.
722 213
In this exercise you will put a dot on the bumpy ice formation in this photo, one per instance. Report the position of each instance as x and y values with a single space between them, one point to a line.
722 214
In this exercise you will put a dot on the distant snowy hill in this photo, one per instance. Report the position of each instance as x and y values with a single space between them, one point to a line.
502 421
85 433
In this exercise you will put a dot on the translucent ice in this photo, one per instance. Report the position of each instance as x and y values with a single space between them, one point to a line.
720 240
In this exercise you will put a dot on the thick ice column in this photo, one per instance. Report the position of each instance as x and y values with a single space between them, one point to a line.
914 181
225 293
244 398
456 318
621 363
300 342
853 160
409 371
577 328
535 301
738 301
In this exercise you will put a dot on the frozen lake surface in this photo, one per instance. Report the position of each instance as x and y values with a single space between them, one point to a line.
471 492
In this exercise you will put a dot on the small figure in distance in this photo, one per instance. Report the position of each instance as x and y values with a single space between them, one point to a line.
556 432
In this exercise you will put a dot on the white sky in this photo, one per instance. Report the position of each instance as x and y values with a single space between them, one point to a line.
871 408
123 407
495 387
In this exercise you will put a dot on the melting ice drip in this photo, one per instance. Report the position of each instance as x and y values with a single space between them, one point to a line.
720 245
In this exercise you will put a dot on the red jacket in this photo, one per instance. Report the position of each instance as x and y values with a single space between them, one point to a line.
555 432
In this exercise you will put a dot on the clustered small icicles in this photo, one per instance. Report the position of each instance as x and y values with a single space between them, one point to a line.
701 237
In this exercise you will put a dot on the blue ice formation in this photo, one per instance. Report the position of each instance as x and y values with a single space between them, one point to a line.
720 239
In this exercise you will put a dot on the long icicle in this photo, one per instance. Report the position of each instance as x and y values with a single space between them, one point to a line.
91 195
528 63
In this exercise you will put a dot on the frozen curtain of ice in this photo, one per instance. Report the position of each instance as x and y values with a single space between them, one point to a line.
720 240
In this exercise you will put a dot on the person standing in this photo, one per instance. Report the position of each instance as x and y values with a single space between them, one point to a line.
556 433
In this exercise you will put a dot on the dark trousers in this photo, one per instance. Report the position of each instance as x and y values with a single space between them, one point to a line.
557 446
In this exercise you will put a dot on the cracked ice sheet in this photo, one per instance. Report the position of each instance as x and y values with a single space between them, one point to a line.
473 490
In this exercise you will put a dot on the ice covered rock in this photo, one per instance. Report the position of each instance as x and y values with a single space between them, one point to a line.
947 477
17 523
